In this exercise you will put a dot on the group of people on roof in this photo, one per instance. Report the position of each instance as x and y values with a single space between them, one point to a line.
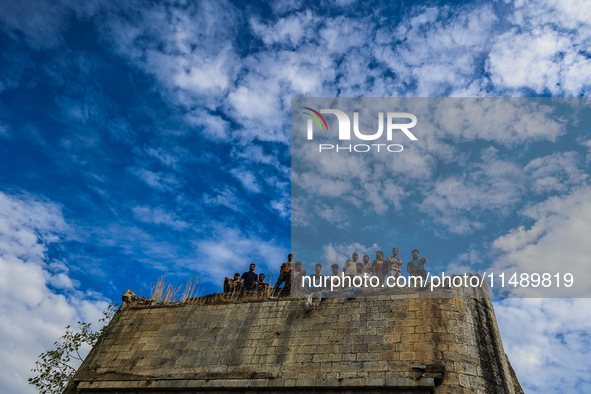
291 272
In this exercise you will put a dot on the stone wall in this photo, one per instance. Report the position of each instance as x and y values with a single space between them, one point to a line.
392 343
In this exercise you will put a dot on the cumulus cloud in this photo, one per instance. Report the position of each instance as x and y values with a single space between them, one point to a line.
458 202
501 120
37 297
556 242
230 250
436 49
550 335
189 51
557 172
212 126
290 30
340 253
495 181
545 48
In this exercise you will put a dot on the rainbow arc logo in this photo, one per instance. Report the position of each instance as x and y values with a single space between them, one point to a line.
315 118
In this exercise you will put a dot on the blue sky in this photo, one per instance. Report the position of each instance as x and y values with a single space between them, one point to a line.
147 137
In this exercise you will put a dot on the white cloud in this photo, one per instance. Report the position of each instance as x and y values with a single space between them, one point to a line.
314 184
502 120
229 250
549 336
458 202
33 313
341 34
213 126
557 172
290 31
282 207
545 50
556 242
587 143
159 216
168 158
465 262
226 197
190 51
529 60
256 154
436 48
340 253
247 179
157 180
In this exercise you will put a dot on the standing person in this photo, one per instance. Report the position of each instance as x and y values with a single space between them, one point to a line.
317 271
367 266
420 270
379 266
335 270
316 279
394 264
297 274
350 268
416 267
284 273
248 278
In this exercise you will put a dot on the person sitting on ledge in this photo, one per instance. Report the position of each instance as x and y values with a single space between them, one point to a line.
249 277
232 284
379 266
260 284
359 269
367 265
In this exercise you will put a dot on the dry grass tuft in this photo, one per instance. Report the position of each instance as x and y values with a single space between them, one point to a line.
192 288
190 292
167 293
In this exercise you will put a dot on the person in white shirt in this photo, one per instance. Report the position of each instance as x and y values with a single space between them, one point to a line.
350 268
394 264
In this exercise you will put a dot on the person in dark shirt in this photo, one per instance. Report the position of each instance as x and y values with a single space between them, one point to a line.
285 273
416 267
248 278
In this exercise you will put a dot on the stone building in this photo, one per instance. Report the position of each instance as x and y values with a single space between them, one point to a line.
445 342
